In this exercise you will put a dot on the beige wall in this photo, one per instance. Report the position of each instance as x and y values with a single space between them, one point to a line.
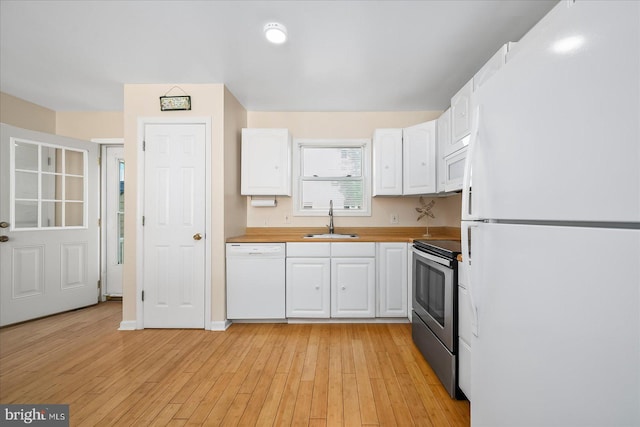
74 124
20 113
208 100
90 124
349 125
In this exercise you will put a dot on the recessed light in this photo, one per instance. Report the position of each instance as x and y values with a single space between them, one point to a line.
275 33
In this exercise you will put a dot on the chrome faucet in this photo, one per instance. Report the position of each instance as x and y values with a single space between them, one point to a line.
331 229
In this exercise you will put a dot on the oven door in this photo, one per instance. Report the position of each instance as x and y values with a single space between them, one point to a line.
433 286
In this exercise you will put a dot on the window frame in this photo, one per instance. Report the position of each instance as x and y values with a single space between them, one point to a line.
299 143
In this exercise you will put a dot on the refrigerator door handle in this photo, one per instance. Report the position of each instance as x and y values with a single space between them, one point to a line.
466 266
466 180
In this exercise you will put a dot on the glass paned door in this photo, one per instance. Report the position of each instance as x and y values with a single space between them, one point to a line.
49 187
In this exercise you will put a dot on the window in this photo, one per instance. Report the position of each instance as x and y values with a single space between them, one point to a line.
49 186
337 170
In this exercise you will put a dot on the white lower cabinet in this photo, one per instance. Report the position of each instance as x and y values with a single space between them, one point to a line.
308 280
331 280
353 287
308 287
392 280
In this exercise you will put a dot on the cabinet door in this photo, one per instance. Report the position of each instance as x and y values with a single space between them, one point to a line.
446 144
387 162
266 162
419 158
353 287
308 287
454 170
461 112
392 280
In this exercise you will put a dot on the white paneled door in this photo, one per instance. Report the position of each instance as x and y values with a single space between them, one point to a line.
49 193
174 225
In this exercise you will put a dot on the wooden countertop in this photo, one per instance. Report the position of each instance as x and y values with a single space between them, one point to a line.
366 234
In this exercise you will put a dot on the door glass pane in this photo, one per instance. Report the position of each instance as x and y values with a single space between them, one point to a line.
74 162
44 178
51 159
51 187
26 156
74 189
51 214
73 214
26 214
26 185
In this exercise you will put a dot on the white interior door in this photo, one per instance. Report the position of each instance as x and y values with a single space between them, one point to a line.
49 192
113 162
174 225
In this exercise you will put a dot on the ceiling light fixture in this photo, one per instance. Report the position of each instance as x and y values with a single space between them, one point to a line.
275 33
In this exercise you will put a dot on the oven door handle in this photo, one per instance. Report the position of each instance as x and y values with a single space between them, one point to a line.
441 261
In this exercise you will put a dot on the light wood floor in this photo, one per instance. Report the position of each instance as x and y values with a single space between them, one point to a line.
251 374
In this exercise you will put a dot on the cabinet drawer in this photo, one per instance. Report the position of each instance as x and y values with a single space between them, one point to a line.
353 249
303 249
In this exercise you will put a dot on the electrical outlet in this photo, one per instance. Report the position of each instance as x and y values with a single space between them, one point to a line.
394 219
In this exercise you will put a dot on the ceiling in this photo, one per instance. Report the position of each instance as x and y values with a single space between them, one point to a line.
341 55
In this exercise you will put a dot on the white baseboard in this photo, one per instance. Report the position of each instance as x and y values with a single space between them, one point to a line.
220 326
128 325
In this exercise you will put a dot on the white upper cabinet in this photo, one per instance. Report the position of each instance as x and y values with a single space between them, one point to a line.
493 65
266 162
461 113
443 135
419 159
387 162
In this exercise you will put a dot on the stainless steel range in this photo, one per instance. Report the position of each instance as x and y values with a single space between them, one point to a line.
435 301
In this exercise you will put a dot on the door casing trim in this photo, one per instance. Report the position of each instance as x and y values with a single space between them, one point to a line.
142 122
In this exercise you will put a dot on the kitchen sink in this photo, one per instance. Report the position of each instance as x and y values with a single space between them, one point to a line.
331 236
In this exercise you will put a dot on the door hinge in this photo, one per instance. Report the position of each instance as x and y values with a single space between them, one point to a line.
99 222
144 145
143 220
99 284
142 295
99 161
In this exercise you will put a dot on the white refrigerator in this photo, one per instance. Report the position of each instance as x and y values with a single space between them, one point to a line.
551 207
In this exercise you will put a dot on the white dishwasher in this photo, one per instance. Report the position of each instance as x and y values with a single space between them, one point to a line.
255 281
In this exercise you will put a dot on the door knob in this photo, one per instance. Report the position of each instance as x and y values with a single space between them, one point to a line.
4 239
4 224
197 236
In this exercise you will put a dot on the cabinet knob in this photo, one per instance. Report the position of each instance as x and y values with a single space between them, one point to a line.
344 287
424 164
317 287
4 239
4 224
